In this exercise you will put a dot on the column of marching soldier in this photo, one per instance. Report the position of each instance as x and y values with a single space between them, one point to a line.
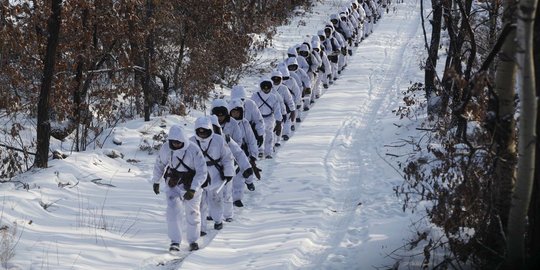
208 172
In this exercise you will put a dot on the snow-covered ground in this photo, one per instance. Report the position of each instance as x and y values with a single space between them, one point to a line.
325 200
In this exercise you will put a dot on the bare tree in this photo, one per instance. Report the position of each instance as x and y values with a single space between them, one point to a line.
430 76
533 243
503 127
527 136
43 124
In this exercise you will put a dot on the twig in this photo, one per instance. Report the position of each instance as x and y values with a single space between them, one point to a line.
17 149
97 181
391 166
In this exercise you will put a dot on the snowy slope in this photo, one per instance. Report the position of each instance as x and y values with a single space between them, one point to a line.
325 201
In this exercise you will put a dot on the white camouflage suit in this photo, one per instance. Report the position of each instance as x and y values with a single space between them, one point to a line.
323 72
251 113
249 151
296 94
303 80
193 158
216 149
239 157
270 107
287 104
332 48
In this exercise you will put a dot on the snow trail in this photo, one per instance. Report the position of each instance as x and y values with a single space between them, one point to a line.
317 180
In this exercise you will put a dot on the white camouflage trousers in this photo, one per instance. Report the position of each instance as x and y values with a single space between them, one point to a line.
175 200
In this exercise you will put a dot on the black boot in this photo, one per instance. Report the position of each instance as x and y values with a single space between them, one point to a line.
238 203
174 247
218 226
193 246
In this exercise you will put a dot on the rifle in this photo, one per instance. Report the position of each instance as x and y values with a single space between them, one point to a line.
221 187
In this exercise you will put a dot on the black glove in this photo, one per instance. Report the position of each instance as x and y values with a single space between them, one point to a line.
277 128
228 178
322 69
156 188
256 170
260 140
293 115
298 106
247 173
189 194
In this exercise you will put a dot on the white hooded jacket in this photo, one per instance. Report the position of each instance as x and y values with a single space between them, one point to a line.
304 78
268 104
190 154
250 142
251 110
284 94
215 150
290 82
230 126
293 52
313 60
325 63
236 150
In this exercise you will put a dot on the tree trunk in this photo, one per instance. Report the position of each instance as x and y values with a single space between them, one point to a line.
493 21
504 128
533 243
43 122
180 61
503 132
166 82
453 60
148 57
433 51
527 137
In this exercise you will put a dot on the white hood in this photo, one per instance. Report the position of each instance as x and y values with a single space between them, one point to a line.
304 48
218 102
235 103
284 71
203 122
214 120
176 133
238 92
291 61
292 51
276 73
315 44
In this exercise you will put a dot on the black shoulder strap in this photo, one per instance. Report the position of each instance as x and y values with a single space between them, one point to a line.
180 163
212 161
205 152
181 160
264 102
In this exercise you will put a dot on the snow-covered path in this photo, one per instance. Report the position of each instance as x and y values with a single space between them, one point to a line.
305 213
